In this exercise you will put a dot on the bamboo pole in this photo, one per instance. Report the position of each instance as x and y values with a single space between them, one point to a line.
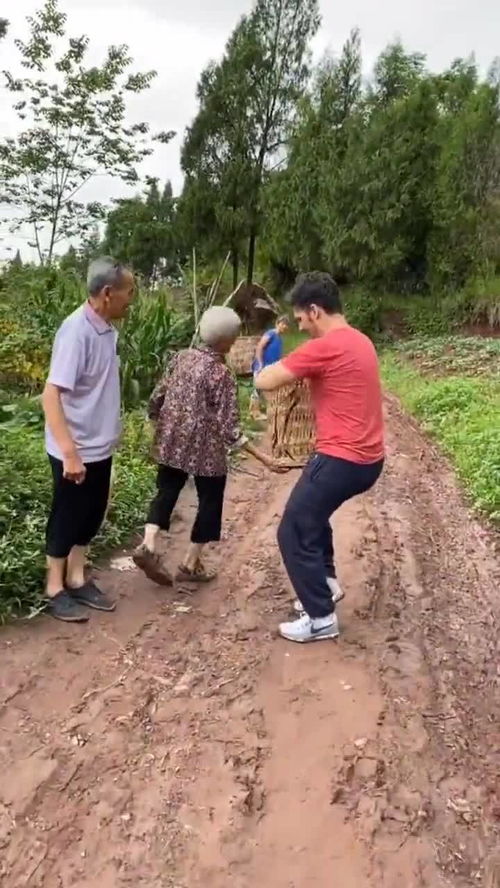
195 295
211 299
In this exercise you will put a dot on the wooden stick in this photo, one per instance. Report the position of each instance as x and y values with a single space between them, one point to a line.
211 300
195 296
218 280
212 295
229 298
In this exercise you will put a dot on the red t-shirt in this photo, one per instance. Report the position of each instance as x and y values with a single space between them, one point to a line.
342 368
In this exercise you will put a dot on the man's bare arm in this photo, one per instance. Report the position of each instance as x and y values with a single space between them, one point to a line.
74 470
273 377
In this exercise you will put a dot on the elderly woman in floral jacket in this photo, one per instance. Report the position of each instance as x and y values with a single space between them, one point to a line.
196 414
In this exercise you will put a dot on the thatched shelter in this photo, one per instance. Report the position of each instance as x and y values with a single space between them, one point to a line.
258 311
256 308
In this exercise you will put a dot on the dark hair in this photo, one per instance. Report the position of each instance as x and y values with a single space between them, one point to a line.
316 288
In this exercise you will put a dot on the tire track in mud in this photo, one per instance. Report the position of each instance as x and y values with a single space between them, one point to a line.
434 599
180 744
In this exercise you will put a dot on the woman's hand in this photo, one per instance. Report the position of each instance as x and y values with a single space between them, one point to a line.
277 468
273 465
264 458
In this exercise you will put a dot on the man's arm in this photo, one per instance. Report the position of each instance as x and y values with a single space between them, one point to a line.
66 367
306 362
73 467
274 377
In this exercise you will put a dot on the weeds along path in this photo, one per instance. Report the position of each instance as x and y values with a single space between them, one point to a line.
180 744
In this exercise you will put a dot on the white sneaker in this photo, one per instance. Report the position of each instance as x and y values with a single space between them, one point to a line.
305 629
337 595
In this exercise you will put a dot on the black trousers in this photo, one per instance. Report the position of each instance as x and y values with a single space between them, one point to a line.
208 523
77 510
305 535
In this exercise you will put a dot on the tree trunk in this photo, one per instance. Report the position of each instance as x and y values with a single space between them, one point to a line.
251 256
235 259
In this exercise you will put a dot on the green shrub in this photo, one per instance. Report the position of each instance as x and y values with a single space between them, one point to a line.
35 301
463 416
154 327
483 297
25 482
438 314
425 317
364 311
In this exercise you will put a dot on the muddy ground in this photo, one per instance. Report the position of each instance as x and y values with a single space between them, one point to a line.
179 744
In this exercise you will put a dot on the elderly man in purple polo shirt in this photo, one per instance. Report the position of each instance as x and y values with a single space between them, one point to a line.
81 401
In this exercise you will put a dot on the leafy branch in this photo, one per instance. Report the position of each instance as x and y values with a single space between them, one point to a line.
73 128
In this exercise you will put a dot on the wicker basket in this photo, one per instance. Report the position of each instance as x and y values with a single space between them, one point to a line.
291 424
240 358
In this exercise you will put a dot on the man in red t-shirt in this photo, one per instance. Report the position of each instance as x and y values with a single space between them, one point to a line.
341 365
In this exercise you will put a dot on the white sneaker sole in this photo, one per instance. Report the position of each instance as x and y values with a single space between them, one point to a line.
331 637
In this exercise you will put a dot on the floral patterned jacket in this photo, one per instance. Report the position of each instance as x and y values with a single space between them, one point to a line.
195 408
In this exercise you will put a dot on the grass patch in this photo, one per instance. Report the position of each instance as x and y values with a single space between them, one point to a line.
453 355
462 414
25 482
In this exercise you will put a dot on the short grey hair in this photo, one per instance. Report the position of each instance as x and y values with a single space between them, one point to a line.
219 324
103 272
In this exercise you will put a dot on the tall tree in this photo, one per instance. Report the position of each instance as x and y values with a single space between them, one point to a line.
280 32
396 73
216 157
466 201
73 128
316 150
140 231
382 198
76 260
246 105
17 261
375 201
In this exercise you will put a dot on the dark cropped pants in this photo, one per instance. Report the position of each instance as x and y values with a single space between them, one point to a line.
210 489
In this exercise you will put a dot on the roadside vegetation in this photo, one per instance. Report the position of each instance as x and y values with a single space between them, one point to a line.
390 183
452 386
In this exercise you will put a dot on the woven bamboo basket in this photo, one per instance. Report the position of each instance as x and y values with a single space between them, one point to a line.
241 356
291 424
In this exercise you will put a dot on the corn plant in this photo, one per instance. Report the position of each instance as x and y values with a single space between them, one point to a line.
154 327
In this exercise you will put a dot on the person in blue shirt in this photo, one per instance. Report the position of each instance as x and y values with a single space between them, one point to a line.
268 351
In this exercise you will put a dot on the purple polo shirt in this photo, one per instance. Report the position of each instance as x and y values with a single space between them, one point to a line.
85 366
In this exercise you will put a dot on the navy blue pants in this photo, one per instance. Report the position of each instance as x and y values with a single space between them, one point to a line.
305 535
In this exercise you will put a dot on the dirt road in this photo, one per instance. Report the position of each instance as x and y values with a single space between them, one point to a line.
180 744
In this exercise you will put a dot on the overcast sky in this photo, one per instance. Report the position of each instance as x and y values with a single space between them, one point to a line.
179 37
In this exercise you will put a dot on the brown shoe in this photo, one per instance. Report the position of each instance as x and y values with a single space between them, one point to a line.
151 564
198 575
